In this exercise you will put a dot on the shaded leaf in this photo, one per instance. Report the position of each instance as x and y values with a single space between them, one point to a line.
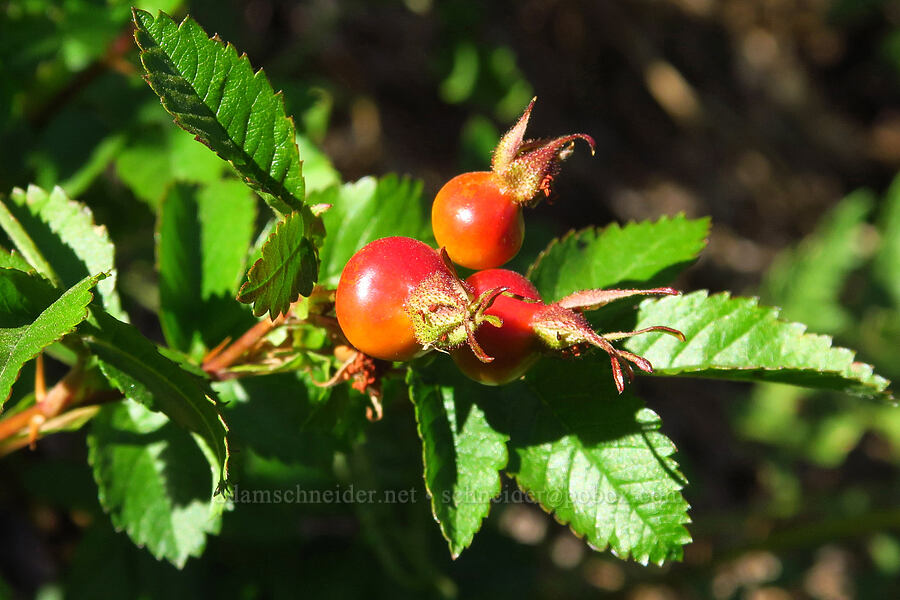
100 158
598 462
806 281
69 245
33 315
26 246
215 94
647 253
153 481
462 455
106 565
367 210
318 171
10 259
159 154
736 338
887 262
202 239
134 366
288 268
284 417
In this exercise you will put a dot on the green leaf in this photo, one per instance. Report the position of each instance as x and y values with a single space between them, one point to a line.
134 366
25 244
887 262
318 171
32 316
59 237
462 455
367 210
202 239
10 259
640 253
106 565
159 154
285 417
288 268
821 427
153 481
101 156
735 338
214 94
806 281
598 462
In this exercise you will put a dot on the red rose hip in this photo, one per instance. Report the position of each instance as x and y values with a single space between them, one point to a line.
477 216
513 346
476 221
371 296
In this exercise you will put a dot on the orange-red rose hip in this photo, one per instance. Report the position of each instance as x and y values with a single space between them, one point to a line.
479 225
513 346
372 292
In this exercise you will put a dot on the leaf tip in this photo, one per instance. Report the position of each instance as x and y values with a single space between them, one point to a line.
138 14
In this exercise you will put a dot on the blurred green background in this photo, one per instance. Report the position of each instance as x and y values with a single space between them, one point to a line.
779 118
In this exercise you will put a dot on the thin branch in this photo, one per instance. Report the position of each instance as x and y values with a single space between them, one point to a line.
81 413
224 359
113 59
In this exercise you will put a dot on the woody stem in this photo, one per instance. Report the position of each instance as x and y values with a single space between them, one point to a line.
248 340
58 399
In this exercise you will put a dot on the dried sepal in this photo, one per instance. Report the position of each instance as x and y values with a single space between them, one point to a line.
562 328
527 167
508 147
438 309
445 313
364 374
593 299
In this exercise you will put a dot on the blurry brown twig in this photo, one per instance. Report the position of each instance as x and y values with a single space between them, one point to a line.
113 59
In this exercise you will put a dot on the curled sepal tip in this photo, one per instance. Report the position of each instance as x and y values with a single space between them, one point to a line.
561 329
527 167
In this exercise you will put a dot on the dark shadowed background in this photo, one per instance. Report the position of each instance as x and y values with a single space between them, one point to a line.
763 114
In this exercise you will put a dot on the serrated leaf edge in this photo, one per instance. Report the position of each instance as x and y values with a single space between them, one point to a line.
599 231
94 279
454 551
98 228
251 295
642 559
159 553
802 331
224 473
30 251
282 192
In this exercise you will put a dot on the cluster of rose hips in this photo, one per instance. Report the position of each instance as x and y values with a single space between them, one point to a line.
399 298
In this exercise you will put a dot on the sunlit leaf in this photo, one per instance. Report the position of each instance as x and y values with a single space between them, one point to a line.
462 455
286 270
736 338
203 235
367 210
34 315
598 462
647 253
214 93
59 237
134 366
153 481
